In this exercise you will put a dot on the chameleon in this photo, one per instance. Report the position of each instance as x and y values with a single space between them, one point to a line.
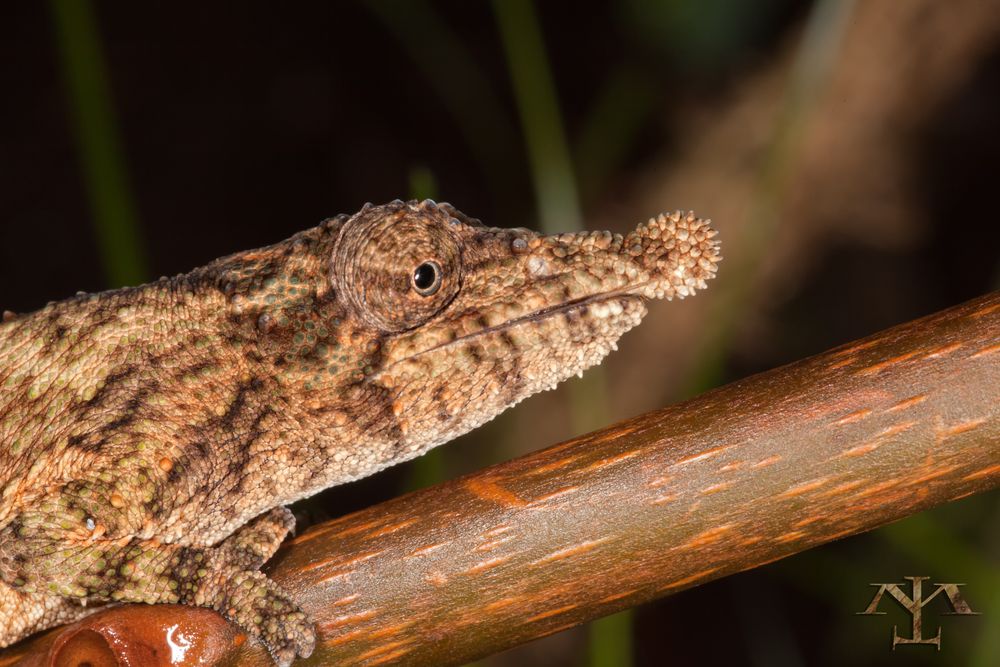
152 437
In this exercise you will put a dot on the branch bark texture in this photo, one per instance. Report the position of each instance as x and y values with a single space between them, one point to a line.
824 448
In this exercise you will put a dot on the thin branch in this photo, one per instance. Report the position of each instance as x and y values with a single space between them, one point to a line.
830 446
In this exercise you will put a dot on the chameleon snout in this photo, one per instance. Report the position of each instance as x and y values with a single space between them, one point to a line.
669 255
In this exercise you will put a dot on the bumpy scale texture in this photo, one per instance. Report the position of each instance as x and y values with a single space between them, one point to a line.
151 436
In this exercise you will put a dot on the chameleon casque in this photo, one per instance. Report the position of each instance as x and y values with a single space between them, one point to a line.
150 437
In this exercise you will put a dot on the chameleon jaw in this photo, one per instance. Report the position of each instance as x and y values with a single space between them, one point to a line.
462 384
599 306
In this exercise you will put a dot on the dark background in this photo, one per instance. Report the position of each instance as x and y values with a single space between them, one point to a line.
848 152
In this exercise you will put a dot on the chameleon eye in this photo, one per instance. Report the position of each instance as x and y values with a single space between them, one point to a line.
426 278
397 267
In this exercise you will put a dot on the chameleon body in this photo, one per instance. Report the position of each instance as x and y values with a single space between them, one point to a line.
150 437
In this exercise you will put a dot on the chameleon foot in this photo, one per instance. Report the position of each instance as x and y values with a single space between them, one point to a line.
260 607
250 599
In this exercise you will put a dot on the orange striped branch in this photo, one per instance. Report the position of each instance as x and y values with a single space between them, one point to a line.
743 475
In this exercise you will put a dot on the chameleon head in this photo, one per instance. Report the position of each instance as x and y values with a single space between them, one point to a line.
469 320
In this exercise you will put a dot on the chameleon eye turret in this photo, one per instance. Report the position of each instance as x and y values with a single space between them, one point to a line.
397 266
150 437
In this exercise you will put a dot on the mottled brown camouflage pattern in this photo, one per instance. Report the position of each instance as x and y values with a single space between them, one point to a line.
150 436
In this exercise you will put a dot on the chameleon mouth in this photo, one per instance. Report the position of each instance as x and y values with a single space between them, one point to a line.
605 305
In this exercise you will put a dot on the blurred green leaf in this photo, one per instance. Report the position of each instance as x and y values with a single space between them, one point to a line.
95 127
534 92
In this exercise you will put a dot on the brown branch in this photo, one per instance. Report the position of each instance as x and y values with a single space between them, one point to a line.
768 466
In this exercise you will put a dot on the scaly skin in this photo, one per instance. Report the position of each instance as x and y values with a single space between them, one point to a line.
150 436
